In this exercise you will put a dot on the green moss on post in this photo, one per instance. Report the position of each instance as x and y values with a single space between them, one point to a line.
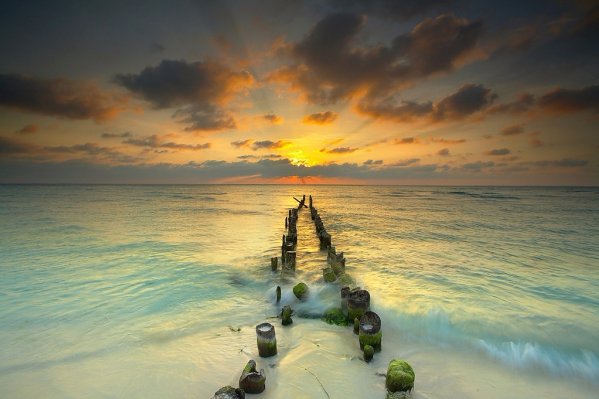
274 263
329 275
335 316
300 291
370 331
345 279
229 392
356 326
286 313
252 381
368 353
267 341
400 376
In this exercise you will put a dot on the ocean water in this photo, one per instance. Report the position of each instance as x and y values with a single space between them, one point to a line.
155 291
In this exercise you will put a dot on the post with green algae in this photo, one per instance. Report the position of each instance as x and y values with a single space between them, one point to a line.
358 303
229 392
252 381
286 313
300 291
278 294
267 341
274 263
370 333
328 275
356 326
400 377
368 353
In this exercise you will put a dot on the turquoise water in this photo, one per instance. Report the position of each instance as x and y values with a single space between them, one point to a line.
138 291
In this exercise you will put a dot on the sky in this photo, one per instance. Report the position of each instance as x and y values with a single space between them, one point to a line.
439 92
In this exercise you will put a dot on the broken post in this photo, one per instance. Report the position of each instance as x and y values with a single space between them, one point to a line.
229 392
286 313
290 259
358 303
252 381
267 341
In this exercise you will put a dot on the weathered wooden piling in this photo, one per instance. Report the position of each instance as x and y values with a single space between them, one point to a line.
266 339
358 303
336 260
229 392
278 294
274 263
310 202
290 259
252 381
286 314
370 331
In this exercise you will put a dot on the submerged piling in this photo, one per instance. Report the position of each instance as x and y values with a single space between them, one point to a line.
266 339
286 313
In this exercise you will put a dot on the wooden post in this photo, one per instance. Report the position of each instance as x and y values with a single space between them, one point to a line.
274 263
278 293
252 381
267 340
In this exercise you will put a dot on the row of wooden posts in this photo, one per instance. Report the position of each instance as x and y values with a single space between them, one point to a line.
354 308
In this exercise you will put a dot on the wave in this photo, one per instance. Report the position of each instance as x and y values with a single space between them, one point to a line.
526 355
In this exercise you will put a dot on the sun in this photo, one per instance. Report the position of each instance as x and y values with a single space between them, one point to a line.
299 158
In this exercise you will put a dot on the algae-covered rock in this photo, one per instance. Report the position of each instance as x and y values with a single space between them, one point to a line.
286 313
252 381
400 376
368 353
329 275
335 316
300 291
229 392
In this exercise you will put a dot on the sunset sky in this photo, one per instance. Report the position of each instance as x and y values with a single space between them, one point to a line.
292 91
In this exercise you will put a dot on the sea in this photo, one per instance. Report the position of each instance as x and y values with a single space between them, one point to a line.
154 291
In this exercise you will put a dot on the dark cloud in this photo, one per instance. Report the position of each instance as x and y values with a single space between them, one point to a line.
28 129
340 150
268 144
176 83
21 150
560 163
406 162
116 135
328 68
478 166
373 162
406 140
241 143
498 151
201 88
205 118
512 130
443 152
392 9
267 156
157 142
468 100
274 119
59 97
447 141
568 100
321 118
523 103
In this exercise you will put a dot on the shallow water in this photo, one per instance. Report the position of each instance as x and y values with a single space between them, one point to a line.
138 291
